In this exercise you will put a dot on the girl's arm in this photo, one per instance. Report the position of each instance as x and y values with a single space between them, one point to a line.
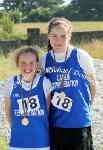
8 109
48 102
47 90
87 64
93 88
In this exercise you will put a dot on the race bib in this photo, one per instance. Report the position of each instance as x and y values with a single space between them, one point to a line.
32 104
61 101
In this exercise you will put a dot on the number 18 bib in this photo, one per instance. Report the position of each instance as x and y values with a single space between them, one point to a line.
62 102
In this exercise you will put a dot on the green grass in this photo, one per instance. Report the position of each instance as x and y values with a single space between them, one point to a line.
87 26
77 26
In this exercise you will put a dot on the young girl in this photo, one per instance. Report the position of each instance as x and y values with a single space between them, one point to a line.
27 100
71 72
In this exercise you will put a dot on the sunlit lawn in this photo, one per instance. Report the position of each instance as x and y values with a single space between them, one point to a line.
20 30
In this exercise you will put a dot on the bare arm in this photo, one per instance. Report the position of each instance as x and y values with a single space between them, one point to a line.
47 90
8 109
93 88
48 102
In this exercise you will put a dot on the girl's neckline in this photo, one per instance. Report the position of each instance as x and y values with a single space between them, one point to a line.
27 81
60 56
26 85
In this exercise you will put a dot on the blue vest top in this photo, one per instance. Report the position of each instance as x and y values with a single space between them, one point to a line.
36 133
76 87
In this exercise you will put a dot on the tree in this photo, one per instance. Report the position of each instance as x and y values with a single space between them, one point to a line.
15 16
7 23
87 9
60 11
25 6
39 14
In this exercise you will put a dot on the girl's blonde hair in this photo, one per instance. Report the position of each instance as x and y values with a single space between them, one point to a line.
58 21
25 49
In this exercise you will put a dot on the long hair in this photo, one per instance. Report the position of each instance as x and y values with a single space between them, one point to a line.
55 22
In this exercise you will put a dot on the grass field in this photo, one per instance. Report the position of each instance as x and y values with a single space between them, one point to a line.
77 26
20 30
94 48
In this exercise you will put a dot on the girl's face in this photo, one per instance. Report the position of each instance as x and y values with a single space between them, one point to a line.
59 38
27 64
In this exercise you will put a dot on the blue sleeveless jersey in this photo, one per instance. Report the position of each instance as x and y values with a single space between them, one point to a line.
76 88
36 133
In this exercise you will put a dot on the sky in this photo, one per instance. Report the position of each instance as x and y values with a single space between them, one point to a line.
66 1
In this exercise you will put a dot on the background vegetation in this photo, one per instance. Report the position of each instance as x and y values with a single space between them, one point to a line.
19 31
44 10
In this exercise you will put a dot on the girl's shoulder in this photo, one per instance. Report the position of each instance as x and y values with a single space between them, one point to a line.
43 58
7 86
82 53
45 79
83 56
11 79
43 62
8 81
85 61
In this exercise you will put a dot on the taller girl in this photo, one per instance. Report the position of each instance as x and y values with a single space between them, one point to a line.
72 75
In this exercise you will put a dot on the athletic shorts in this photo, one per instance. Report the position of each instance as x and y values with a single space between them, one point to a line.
71 139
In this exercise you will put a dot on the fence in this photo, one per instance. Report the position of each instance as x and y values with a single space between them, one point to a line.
34 37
